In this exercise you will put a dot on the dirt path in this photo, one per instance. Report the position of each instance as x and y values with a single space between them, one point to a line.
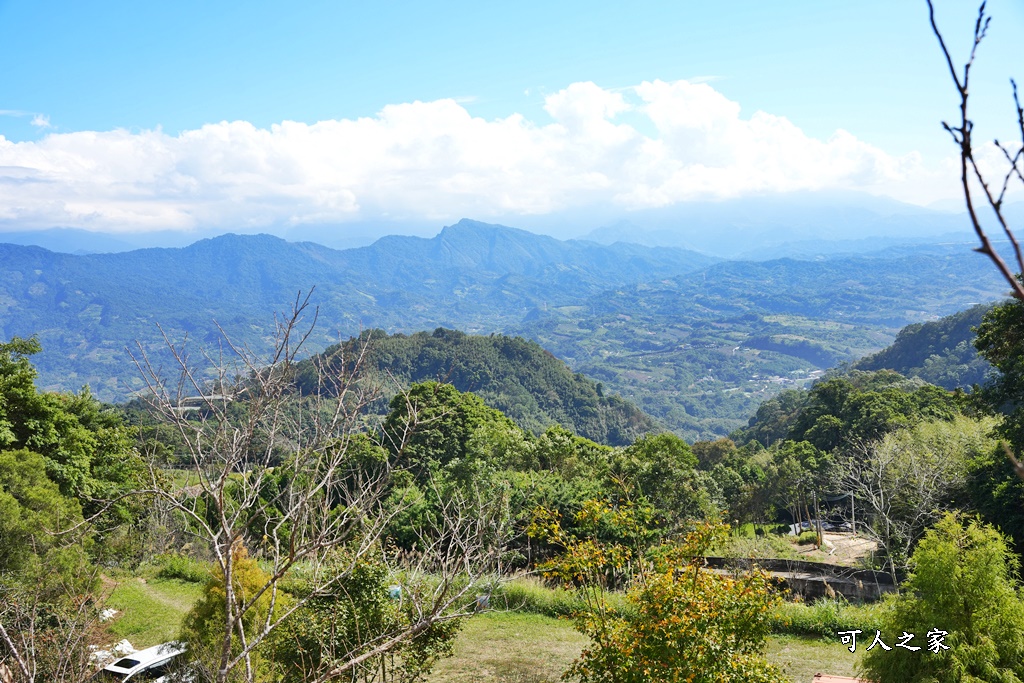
840 548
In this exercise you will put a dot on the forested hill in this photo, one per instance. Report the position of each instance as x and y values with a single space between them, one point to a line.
512 374
940 352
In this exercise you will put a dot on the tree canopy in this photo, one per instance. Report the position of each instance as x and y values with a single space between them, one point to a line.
963 583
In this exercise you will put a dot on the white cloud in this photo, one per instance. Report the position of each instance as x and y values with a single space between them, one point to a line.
41 121
433 159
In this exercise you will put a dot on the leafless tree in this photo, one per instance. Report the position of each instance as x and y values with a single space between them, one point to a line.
905 481
969 170
962 134
294 478
45 632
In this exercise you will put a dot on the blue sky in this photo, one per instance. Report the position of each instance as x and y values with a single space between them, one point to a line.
554 73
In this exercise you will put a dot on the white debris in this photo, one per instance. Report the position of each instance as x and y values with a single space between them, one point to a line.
107 614
103 656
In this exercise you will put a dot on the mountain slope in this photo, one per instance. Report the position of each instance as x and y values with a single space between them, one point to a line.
940 352
87 308
512 374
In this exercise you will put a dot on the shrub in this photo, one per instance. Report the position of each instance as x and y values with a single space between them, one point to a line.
174 566
825 618
807 538
963 583
203 627
683 621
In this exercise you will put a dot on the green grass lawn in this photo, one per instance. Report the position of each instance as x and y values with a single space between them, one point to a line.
151 610
511 647
803 656
505 647
515 647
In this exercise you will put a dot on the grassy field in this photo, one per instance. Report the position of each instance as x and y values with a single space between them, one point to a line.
514 647
150 610
511 647
501 646
803 656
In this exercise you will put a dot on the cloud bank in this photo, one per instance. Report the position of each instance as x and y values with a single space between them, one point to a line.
651 145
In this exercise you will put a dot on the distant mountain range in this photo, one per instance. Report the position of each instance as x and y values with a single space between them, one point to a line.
87 308
796 224
696 342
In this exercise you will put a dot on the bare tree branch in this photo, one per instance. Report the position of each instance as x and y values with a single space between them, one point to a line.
281 472
962 136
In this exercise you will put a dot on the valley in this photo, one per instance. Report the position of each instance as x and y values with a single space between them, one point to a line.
694 341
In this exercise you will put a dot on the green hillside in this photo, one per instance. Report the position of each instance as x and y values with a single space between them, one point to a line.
512 374
940 352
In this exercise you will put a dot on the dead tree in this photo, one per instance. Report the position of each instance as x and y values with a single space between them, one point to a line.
46 631
902 484
287 476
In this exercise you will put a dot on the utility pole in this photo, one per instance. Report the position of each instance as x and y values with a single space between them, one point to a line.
853 514
817 517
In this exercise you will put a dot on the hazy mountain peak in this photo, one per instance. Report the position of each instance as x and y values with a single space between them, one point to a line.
470 229
232 240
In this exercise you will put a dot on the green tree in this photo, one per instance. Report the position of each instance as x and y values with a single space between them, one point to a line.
32 511
996 493
559 450
684 622
864 406
798 469
47 584
962 581
204 625
663 470
845 410
432 428
1001 341
89 453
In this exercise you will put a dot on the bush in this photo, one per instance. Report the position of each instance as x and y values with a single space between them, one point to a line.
174 566
807 538
683 622
533 595
203 627
825 618
963 584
